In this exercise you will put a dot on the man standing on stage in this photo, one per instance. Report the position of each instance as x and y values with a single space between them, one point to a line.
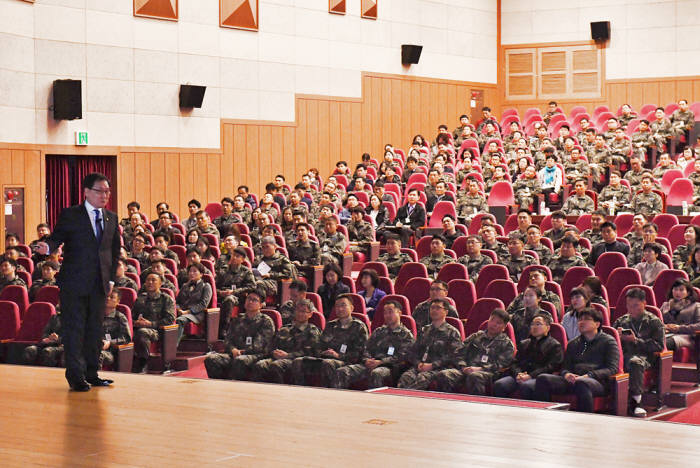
90 237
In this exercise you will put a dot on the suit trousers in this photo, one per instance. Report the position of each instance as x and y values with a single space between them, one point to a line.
82 332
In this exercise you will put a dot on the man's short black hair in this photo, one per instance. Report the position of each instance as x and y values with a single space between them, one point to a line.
608 224
227 200
135 204
559 215
636 293
298 285
501 314
593 313
194 202
91 179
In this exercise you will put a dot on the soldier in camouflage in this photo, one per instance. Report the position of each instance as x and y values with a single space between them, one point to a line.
115 329
473 259
49 350
537 281
661 129
280 267
384 352
614 195
471 202
516 261
576 167
579 203
421 313
303 252
433 351
342 343
521 317
204 225
227 218
332 242
620 147
593 234
296 339
565 259
639 346
394 258
152 310
488 235
437 257
247 341
534 243
647 202
526 188
649 233
484 357
360 232
231 284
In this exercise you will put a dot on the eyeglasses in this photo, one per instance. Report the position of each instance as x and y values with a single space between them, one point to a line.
252 299
103 192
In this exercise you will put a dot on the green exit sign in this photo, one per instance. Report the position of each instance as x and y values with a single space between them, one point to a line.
81 138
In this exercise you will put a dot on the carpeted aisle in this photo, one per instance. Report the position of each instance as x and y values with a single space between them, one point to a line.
197 372
689 416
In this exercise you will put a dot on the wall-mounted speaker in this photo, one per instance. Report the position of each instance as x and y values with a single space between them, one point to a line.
191 95
67 100
600 31
410 53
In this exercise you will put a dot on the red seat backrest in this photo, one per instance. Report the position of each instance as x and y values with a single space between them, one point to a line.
481 310
9 320
35 319
488 274
48 294
409 270
18 295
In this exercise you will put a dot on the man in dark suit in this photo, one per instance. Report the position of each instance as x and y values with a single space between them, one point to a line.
90 237
410 217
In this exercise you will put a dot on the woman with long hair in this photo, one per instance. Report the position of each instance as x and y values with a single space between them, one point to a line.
681 315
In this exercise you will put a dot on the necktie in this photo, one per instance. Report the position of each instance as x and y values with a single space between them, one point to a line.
98 226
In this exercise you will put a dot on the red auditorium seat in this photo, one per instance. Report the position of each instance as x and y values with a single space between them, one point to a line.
623 222
524 280
488 274
504 290
209 328
453 271
501 194
417 290
378 319
675 235
607 262
318 319
664 281
409 323
128 297
9 320
620 278
457 323
665 221
572 279
408 271
681 190
481 310
463 293
48 294
18 295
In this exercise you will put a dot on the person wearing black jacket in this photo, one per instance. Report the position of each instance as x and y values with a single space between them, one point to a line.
410 217
537 354
610 243
589 361
331 288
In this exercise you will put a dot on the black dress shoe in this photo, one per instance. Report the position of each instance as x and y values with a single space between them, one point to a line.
80 386
98 382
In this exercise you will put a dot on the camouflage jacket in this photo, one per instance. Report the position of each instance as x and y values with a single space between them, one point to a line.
240 280
158 309
547 296
421 314
558 265
648 330
307 254
648 204
282 268
434 263
297 341
620 193
491 354
348 342
474 265
435 345
516 265
521 318
468 205
387 345
334 244
394 262
542 251
576 206
116 326
593 236
360 232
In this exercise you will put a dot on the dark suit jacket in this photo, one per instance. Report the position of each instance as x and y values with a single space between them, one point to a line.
79 269
417 217
432 201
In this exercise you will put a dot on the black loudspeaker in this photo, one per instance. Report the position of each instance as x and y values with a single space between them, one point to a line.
410 53
600 31
191 96
67 100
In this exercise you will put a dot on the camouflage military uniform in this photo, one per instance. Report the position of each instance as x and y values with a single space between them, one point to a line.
682 121
593 236
542 251
621 194
210 229
474 265
556 236
681 255
348 342
245 214
49 354
488 184
436 346
525 191
576 206
558 265
648 204
468 206
634 239
394 262
307 254
166 283
223 222
635 179
332 247
576 170
158 309
272 212
115 328
626 119
281 268
434 263
641 141
37 285
516 265
252 336
661 132
521 318
125 282
493 355
499 248
296 341
639 354
386 345
695 179
547 296
635 255
286 310
620 150
659 171
421 314
360 232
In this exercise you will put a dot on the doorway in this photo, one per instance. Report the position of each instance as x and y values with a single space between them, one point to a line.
64 177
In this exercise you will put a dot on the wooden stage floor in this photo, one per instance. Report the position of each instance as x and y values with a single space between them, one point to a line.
145 421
